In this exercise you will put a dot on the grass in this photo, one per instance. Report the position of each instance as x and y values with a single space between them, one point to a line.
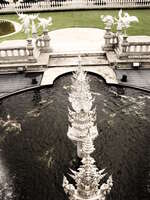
90 19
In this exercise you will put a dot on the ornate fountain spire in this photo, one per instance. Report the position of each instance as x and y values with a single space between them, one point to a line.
83 131
82 115
80 95
87 178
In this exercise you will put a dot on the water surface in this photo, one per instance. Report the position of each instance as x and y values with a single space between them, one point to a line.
6 28
40 154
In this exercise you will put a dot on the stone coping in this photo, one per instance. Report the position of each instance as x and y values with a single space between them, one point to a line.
139 38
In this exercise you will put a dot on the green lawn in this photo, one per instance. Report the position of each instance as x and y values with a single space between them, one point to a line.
89 18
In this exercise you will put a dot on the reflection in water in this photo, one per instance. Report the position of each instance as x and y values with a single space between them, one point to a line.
6 189
42 153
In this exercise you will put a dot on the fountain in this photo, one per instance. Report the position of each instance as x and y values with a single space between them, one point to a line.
83 131
83 116
40 155
8 27
87 178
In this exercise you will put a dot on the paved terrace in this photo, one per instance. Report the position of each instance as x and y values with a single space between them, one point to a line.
67 45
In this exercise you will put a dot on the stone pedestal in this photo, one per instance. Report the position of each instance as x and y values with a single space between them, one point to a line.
46 40
30 49
123 53
108 36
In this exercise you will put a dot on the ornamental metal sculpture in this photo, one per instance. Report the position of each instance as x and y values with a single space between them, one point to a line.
87 178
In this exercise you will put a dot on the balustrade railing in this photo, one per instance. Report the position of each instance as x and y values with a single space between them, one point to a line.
72 4
43 43
16 54
13 52
133 50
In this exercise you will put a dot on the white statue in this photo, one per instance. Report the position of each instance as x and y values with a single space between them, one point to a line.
124 21
44 23
33 17
25 20
108 20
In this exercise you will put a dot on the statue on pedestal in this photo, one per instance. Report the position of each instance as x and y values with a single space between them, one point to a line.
123 22
44 23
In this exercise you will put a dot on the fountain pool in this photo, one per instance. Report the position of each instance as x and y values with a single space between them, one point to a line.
6 27
39 153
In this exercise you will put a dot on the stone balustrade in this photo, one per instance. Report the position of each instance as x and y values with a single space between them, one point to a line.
43 42
133 50
16 54
9 52
72 4
138 47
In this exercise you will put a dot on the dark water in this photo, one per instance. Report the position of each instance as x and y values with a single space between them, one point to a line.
37 157
6 28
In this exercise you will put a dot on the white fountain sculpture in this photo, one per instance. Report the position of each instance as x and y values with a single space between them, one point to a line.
80 95
108 20
33 17
82 115
44 23
25 20
87 178
124 21
28 23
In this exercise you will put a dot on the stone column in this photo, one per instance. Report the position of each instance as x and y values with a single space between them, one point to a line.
30 49
108 36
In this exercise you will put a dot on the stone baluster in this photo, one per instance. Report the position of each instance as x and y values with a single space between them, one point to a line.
141 48
46 40
147 48
125 48
13 52
30 49
124 44
19 52
24 52
6 53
